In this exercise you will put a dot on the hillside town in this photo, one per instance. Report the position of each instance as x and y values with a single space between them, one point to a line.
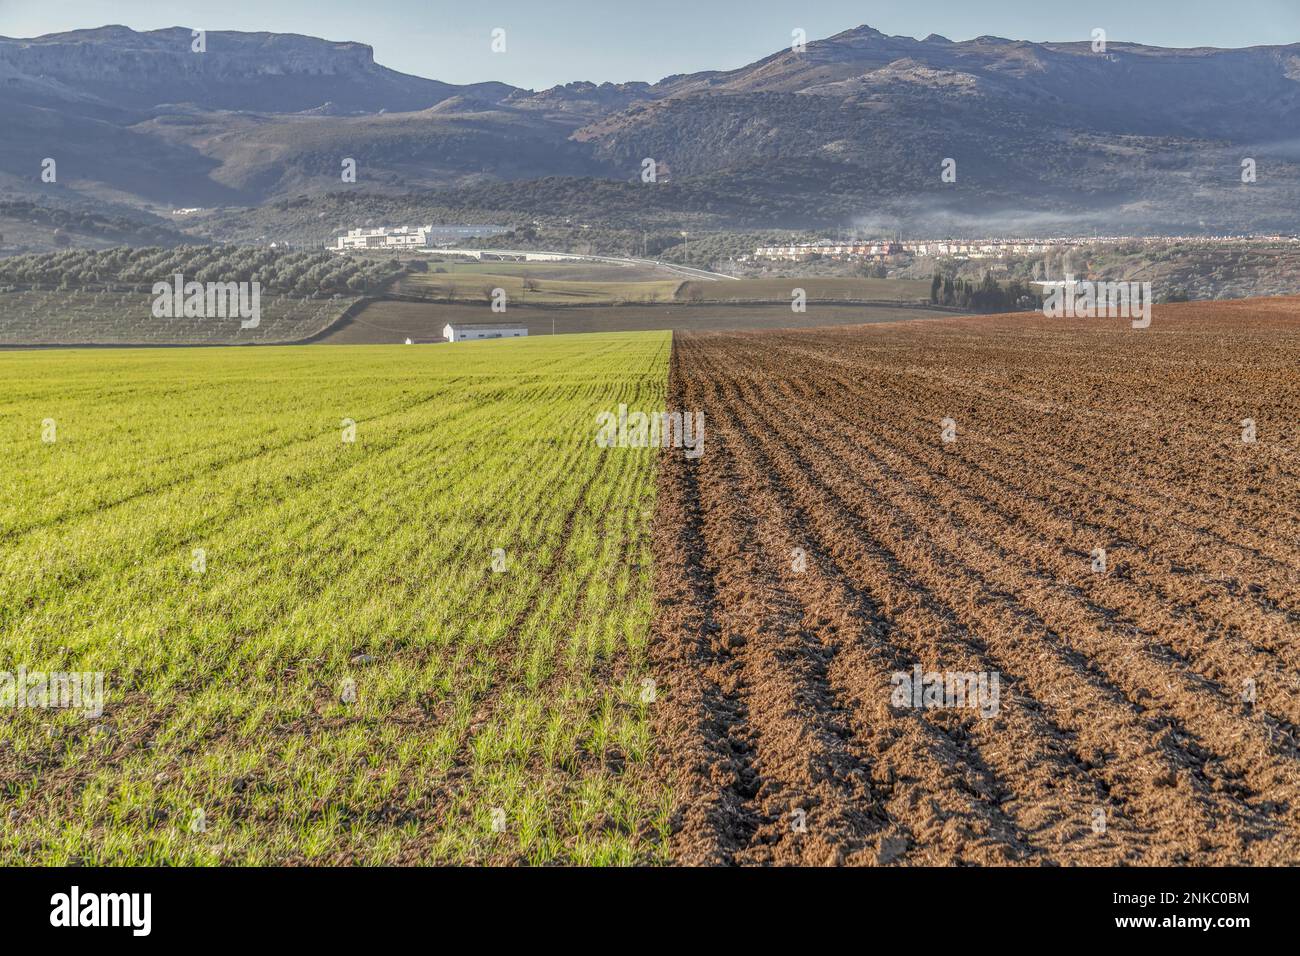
994 248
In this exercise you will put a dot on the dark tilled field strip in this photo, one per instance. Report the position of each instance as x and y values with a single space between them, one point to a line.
1118 696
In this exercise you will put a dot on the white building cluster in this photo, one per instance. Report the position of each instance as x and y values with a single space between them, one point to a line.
384 237
970 249
978 248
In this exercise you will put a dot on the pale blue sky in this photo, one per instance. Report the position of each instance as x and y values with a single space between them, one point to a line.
556 41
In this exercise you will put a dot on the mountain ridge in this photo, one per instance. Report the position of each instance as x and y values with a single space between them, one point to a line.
1042 128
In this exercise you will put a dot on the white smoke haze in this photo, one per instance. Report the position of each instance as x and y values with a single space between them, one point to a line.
937 221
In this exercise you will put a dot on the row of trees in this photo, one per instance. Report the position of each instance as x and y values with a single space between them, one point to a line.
128 269
988 295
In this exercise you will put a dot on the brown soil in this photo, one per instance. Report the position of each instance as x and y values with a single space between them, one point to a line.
1122 693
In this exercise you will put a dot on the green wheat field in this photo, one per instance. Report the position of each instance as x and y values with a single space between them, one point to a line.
381 605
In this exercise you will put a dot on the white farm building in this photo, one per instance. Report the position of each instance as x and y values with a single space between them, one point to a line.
468 333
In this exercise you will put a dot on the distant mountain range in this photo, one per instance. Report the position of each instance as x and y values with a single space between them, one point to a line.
850 132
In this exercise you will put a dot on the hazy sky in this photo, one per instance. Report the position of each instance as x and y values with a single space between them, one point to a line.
556 41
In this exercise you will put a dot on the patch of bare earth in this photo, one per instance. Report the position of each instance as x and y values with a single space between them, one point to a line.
1147 714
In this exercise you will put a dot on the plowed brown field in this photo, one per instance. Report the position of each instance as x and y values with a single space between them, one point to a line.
1148 712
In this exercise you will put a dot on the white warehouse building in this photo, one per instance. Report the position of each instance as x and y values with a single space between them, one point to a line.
468 333
384 237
